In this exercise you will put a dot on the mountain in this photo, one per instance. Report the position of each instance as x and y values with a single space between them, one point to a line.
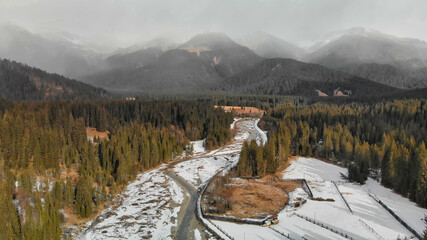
269 46
162 43
204 60
21 82
291 77
174 70
360 45
352 50
139 54
52 54
220 51
133 60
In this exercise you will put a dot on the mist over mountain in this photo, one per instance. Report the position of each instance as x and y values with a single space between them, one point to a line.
269 46
174 70
203 60
51 54
361 45
367 53
399 62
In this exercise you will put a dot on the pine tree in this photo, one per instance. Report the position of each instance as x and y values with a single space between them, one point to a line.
421 195
242 166
83 205
269 158
9 218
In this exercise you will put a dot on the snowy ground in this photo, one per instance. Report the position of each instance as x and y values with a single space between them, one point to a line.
149 206
261 135
320 174
199 170
367 213
198 146
148 210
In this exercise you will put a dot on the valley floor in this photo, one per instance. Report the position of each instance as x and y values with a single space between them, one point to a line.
160 203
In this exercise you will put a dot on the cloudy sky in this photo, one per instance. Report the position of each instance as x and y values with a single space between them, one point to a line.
124 22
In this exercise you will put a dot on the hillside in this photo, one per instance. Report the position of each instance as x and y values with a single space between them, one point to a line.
175 69
220 51
204 60
139 54
389 75
291 77
133 60
21 82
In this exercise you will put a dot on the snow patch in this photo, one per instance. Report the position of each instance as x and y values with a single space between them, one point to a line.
148 209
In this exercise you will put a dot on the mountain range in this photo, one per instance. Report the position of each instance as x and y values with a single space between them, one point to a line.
204 60
383 58
355 62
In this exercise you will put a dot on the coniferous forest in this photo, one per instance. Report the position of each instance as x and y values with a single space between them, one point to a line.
386 141
48 166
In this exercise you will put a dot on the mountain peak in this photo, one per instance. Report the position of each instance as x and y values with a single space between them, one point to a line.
267 45
360 31
210 40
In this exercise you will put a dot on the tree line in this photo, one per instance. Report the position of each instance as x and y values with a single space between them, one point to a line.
383 140
48 164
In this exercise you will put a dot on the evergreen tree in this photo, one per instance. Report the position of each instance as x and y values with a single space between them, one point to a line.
10 227
84 203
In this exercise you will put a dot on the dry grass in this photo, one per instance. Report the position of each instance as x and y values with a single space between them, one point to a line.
247 111
255 198
92 133
73 219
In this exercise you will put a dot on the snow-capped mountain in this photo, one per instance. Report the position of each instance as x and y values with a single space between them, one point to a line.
361 45
269 46
384 58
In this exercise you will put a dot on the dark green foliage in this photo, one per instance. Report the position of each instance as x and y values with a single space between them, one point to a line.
290 77
10 226
48 140
84 194
261 160
386 138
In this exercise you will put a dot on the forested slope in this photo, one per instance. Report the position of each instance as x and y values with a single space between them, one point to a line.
22 82
290 77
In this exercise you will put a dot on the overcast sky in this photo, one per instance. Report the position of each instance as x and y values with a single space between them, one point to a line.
124 22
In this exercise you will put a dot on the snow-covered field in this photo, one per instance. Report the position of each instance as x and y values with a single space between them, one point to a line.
367 213
148 210
320 174
200 170
198 146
